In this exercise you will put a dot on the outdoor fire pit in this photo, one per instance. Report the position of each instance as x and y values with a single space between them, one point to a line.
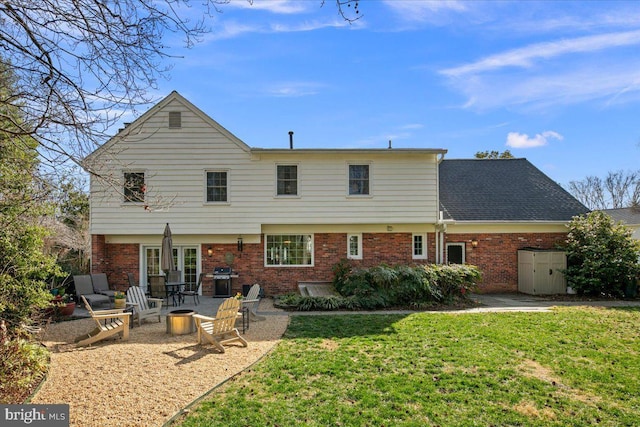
180 322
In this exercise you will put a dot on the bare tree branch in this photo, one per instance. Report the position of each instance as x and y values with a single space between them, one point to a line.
81 65
618 190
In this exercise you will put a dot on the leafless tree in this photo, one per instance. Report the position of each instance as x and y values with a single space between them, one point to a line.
617 190
79 65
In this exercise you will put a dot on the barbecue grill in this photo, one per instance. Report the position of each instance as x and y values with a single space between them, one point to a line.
222 277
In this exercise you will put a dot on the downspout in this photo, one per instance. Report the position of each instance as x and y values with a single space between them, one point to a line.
440 227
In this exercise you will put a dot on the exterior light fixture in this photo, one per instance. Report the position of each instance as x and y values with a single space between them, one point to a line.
474 243
210 251
240 244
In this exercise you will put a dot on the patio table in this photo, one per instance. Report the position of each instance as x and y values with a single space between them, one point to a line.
173 290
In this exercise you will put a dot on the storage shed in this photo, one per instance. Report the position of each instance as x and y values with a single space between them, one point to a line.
539 272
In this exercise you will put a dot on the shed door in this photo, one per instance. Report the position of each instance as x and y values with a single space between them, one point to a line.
547 277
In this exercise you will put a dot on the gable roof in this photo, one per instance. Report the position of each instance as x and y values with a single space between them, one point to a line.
497 190
629 216
173 96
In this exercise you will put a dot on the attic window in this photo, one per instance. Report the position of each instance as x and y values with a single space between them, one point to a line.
175 119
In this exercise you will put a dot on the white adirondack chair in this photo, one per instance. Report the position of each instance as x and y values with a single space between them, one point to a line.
143 307
251 301
221 329
109 323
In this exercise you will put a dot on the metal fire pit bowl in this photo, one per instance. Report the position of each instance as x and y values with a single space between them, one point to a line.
180 322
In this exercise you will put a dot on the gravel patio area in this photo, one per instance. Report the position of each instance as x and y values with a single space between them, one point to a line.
149 378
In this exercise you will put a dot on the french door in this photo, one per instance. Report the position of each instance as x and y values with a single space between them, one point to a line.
186 259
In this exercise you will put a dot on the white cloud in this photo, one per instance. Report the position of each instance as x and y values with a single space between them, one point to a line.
294 89
311 26
575 84
274 6
231 29
425 10
520 140
526 56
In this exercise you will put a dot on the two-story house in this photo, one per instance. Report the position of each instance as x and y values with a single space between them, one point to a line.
280 216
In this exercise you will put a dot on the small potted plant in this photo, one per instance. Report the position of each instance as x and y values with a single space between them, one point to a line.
119 300
63 306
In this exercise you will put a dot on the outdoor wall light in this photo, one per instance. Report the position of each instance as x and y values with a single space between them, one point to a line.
240 244
474 243
210 251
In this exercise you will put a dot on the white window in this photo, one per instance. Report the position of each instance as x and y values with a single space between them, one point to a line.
134 187
359 180
217 186
287 180
288 250
419 246
354 246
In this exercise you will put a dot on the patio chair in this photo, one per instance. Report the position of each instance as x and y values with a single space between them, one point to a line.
157 289
251 302
221 329
191 290
101 285
143 307
132 279
109 323
174 276
84 287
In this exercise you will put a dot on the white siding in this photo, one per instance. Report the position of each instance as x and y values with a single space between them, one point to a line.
403 185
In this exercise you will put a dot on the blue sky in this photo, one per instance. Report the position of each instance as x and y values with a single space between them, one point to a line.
556 82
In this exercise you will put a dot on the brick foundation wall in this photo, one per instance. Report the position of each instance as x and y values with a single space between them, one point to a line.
116 260
496 255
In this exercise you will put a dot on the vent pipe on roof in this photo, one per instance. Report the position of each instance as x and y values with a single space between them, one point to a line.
291 140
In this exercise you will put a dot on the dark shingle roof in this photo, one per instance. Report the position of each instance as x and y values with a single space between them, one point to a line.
630 216
502 190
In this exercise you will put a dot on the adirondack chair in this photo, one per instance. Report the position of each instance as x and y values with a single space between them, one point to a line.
143 307
251 301
221 329
109 323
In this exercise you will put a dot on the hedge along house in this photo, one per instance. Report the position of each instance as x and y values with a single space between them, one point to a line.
281 216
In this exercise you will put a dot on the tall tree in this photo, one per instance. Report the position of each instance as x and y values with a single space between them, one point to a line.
24 268
617 190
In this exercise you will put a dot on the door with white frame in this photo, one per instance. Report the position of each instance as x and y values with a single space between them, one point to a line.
455 253
186 258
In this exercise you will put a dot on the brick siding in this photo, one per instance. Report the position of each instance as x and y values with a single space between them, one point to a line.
496 255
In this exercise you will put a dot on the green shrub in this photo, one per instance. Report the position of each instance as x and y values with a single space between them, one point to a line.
382 287
602 256
22 365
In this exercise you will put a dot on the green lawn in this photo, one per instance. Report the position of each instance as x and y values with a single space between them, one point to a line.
569 367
